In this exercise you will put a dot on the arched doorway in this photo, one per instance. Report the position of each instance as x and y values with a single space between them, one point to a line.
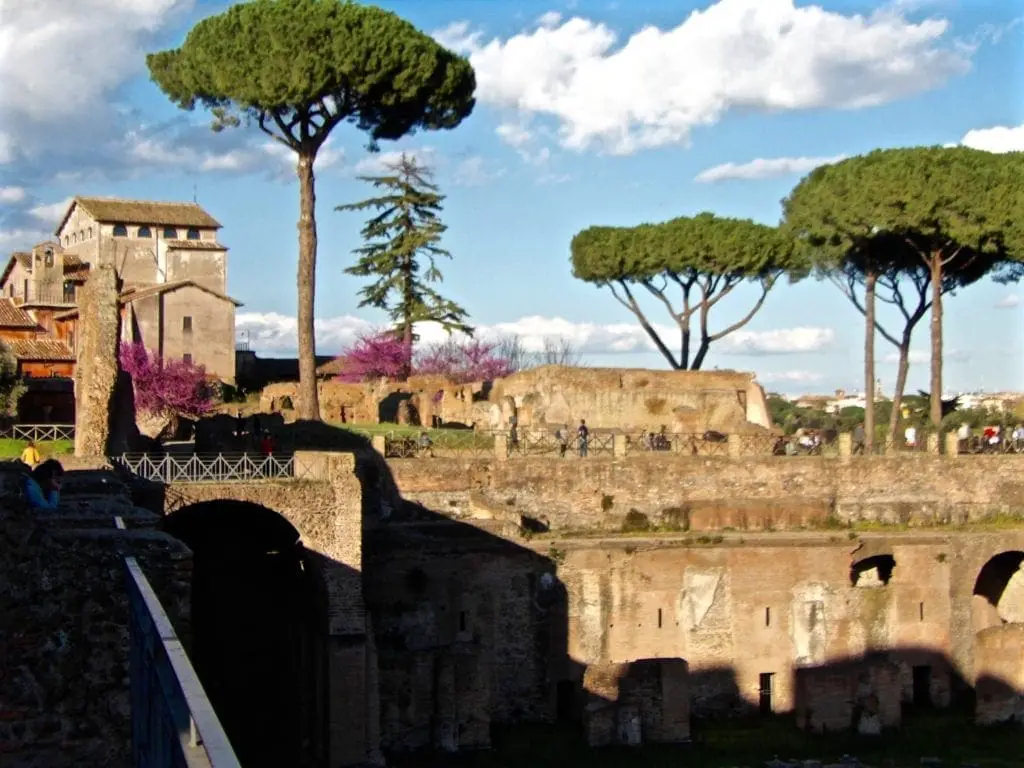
259 620
999 592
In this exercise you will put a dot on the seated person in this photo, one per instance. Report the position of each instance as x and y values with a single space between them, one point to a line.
42 485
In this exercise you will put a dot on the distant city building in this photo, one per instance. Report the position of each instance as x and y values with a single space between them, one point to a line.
173 271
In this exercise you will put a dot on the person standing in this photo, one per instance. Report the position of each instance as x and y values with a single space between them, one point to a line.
582 438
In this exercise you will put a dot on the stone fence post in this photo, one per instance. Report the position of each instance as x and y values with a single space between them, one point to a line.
380 443
845 444
952 444
619 446
501 446
933 444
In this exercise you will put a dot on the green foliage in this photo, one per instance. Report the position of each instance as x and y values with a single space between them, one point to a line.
401 247
298 68
11 385
635 521
703 258
933 198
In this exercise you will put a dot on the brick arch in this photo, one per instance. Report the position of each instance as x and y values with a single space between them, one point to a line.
993 601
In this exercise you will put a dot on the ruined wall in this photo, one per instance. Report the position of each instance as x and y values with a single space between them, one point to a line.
96 375
717 492
64 624
635 399
999 665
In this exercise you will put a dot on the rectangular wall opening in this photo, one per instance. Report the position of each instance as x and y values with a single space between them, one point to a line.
920 609
659 618
767 617
462 621
767 683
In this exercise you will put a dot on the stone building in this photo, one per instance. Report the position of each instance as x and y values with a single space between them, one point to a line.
172 268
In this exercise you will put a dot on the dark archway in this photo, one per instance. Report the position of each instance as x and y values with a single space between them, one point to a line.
259 625
874 571
990 605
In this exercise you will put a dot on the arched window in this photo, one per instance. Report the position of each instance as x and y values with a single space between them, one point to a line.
170 233
67 240
81 235
145 232
120 230
90 233
49 257
74 238
193 234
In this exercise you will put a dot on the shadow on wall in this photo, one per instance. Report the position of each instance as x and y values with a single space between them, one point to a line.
465 629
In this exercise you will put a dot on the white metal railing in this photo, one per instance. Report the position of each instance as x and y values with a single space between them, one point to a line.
207 468
39 433
174 724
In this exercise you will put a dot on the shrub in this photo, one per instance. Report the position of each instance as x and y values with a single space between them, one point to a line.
172 387
635 521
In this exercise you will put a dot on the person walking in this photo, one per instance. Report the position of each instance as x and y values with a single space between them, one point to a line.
582 438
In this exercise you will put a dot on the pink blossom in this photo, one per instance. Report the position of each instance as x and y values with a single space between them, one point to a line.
165 386
377 355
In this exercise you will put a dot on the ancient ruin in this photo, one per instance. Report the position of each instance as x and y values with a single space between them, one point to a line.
549 397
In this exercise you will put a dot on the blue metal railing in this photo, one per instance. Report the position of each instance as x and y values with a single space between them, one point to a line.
173 723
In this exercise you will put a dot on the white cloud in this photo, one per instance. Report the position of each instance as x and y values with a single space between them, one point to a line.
10 195
1010 301
655 88
999 139
50 213
764 168
779 342
21 238
273 333
475 172
61 60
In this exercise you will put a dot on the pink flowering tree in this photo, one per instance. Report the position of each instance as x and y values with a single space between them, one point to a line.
376 355
170 387
464 361
383 355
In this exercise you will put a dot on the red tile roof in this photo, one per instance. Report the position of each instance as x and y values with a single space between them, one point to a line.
42 350
12 316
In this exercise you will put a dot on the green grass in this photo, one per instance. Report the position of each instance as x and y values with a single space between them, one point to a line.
441 437
949 737
11 449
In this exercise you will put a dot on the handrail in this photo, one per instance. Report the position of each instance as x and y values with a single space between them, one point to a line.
220 467
174 724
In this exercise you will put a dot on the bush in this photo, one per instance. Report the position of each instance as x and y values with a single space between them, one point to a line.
172 387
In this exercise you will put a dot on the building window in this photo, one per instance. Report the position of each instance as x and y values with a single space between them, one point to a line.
49 257
170 233
187 358
120 230
10 290
74 238
145 232
67 239
24 289
193 234
71 340
186 324
90 233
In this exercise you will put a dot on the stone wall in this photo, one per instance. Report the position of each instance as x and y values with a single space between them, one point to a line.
635 399
715 493
64 698
999 665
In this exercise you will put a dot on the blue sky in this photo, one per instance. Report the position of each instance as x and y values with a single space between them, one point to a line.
589 113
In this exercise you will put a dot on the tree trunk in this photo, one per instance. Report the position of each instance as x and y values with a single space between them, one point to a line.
901 384
309 401
684 349
407 324
698 359
870 278
936 394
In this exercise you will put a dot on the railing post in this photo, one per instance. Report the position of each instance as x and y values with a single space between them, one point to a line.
734 445
952 444
500 446
620 446
933 442
380 444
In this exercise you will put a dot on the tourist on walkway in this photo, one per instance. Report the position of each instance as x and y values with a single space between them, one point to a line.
582 438
42 485
30 455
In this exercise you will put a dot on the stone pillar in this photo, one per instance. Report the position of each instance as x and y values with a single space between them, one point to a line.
933 444
619 449
735 446
97 371
500 446
845 444
952 444
380 443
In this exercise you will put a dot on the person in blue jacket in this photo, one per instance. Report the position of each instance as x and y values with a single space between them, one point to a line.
42 485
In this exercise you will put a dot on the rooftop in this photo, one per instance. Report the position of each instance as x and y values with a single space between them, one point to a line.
12 316
46 350
111 210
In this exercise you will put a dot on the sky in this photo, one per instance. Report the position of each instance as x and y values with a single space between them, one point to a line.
589 113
